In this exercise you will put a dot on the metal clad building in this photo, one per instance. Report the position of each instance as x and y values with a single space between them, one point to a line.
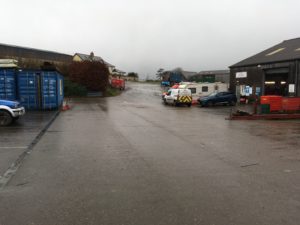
33 58
212 76
274 71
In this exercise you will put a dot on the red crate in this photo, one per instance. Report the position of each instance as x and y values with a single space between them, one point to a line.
264 100
274 101
291 104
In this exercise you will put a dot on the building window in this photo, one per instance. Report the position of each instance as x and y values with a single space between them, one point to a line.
193 90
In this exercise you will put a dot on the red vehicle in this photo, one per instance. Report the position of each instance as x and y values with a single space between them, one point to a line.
118 83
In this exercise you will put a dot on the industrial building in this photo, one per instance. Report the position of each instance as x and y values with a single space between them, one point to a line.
212 76
274 71
34 58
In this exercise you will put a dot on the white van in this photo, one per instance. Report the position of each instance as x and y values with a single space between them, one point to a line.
204 89
180 96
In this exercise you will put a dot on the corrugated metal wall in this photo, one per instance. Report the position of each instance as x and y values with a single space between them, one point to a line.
8 84
35 89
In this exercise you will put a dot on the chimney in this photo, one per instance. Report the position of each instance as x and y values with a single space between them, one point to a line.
92 56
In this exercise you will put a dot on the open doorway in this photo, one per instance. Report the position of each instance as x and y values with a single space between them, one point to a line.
276 82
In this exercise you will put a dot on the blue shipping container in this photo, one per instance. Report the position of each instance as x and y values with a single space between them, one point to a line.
60 89
40 89
51 90
28 89
8 84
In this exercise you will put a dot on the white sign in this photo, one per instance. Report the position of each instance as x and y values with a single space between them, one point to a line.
241 75
291 88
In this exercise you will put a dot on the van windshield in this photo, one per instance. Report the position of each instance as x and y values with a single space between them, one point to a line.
213 94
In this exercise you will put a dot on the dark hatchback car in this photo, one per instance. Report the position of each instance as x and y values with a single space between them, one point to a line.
218 98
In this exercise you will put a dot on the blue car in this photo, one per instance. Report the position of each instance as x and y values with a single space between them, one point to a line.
10 111
218 98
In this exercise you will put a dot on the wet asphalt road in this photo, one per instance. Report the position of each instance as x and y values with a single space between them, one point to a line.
18 137
131 160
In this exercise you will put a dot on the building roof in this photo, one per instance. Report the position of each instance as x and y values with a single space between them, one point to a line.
25 52
285 51
188 74
213 72
85 57
118 71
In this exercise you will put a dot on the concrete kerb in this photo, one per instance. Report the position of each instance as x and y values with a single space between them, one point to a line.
13 168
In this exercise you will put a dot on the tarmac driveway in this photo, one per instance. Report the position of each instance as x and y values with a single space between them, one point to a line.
17 138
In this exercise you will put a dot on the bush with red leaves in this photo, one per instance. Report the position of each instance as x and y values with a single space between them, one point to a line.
92 75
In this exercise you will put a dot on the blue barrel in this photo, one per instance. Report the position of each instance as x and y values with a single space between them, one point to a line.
28 89
8 84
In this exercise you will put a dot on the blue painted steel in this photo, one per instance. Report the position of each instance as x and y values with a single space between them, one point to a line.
28 89
40 89
49 88
165 83
175 77
8 84
60 89
52 89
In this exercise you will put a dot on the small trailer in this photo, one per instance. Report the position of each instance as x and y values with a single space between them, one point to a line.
204 89
118 83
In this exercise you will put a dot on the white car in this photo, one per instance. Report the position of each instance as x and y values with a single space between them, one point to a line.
10 111
180 96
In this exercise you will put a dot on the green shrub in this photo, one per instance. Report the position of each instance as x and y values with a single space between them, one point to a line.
110 92
74 89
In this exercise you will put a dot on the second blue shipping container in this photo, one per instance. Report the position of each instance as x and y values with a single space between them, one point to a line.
51 89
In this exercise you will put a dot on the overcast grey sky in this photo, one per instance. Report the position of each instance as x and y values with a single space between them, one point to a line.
144 35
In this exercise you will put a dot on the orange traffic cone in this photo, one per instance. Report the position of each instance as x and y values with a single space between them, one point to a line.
65 105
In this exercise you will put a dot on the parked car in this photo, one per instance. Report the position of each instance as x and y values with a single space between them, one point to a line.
178 97
10 111
218 98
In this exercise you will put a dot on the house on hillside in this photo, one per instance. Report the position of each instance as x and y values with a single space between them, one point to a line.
113 71
79 57
118 73
274 71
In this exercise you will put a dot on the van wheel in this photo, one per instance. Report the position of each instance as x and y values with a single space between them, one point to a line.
189 105
5 118
16 118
